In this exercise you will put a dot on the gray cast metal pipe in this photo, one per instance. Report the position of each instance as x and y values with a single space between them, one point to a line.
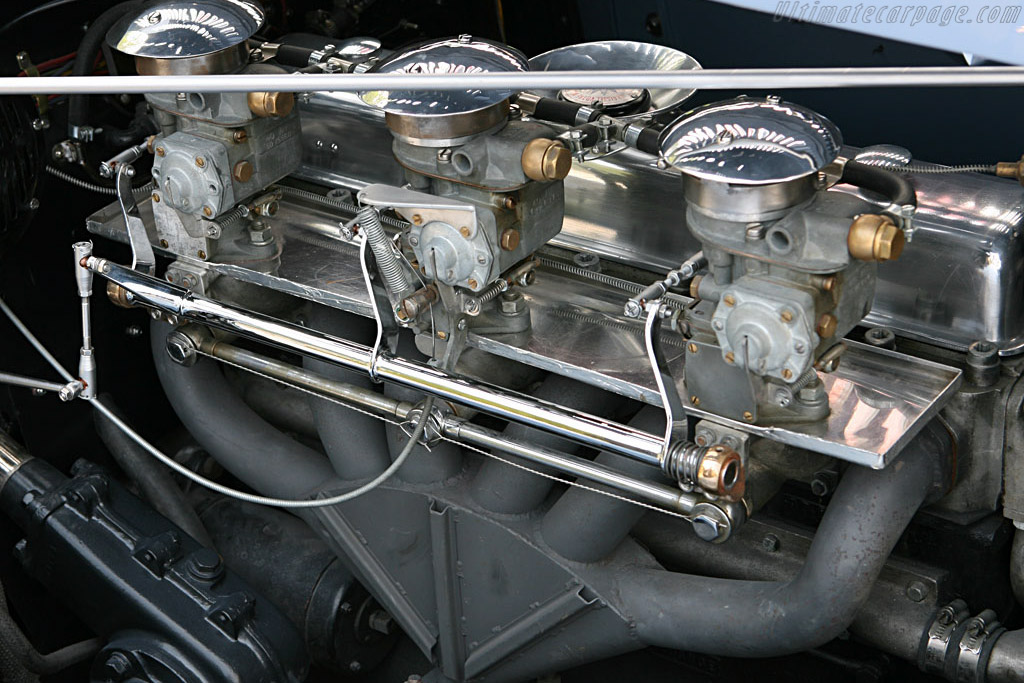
354 442
506 489
251 449
867 515
584 526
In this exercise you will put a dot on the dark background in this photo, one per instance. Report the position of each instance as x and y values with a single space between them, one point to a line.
950 126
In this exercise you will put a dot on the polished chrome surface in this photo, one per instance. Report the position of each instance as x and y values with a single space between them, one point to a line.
956 283
619 55
884 155
578 330
706 79
12 456
459 55
580 427
178 29
751 141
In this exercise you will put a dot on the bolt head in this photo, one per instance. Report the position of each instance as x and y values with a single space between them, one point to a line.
705 528
827 325
917 591
770 543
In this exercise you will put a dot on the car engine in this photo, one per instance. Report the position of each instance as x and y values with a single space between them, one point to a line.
340 344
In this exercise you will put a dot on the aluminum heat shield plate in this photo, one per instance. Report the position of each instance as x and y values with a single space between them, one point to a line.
880 399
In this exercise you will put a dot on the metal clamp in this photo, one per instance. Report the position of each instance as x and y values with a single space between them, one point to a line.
970 667
935 648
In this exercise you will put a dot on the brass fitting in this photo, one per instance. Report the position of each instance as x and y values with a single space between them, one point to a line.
721 472
242 172
545 159
269 104
1011 169
875 238
118 295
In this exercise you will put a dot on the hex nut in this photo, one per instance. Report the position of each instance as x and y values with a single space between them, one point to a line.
509 239
875 238
827 325
546 160
242 172
271 104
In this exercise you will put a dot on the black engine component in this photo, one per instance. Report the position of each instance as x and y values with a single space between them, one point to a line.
21 160
345 629
169 609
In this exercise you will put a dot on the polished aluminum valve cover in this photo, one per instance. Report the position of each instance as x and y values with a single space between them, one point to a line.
463 54
748 141
177 29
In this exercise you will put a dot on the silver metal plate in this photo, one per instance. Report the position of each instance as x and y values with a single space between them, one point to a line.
880 399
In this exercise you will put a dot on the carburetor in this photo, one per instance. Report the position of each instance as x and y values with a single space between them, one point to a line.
484 187
791 267
215 151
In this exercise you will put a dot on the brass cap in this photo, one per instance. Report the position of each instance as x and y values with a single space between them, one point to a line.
509 239
721 472
875 238
242 172
268 104
827 325
545 159
118 295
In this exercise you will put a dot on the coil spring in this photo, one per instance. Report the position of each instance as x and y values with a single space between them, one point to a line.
140 191
803 380
682 461
493 290
331 202
673 300
233 217
939 170
388 264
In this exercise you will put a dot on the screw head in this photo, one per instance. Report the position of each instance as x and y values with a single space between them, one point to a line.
695 400
787 316
748 416
160 151
200 162
465 232
705 528
730 357
691 347
417 219
729 300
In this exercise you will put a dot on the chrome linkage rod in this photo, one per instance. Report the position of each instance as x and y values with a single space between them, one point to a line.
579 427
705 79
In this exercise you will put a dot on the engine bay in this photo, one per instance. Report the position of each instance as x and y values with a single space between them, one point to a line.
334 355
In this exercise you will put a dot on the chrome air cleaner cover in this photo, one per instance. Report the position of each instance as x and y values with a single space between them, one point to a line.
435 118
188 37
618 55
748 158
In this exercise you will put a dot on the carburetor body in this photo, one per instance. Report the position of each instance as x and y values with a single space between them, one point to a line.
214 151
499 176
787 277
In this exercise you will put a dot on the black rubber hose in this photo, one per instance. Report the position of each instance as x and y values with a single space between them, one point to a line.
649 140
154 481
584 526
88 50
895 187
242 442
866 517
44 665
557 111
